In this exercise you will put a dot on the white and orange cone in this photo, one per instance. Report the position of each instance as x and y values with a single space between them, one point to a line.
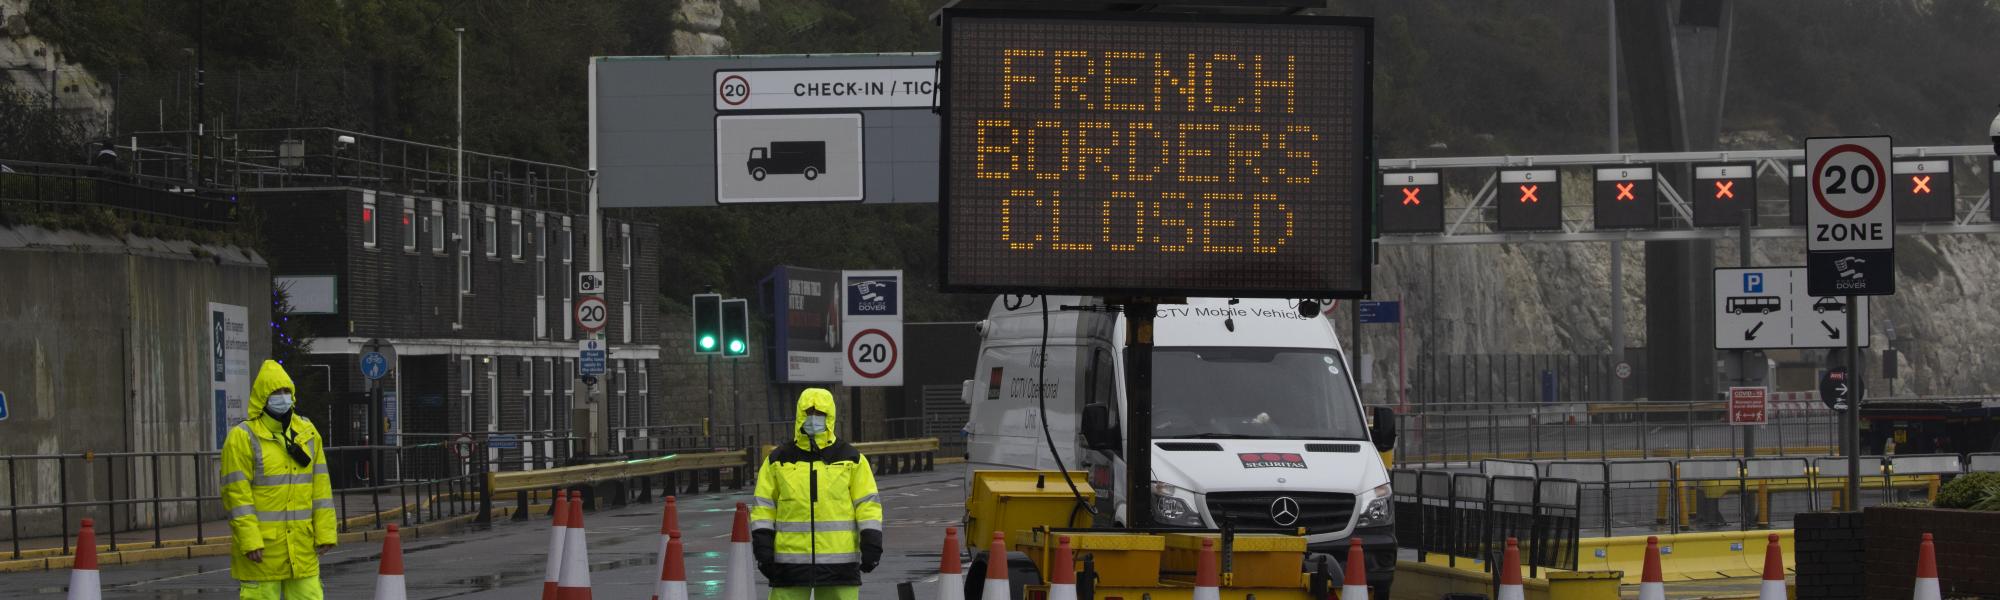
1207 573
575 581
1510 572
558 534
673 572
1774 572
1355 585
951 575
389 575
1927 577
1062 575
997 587
84 583
1652 585
738 581
670 528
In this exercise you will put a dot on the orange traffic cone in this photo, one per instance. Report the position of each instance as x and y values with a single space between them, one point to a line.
558 533
1355 586
1774 571
1207 575
83 581
738 583
670 527
1510 572
1652 586
389 576
951 576
1062 576
1927 578
575 581
673 572
997 587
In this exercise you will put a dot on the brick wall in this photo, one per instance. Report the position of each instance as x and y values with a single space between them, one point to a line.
1828 551
1967 544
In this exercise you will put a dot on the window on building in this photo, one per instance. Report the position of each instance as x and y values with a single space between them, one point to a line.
465 389
549 393
368 219
625 248
528 395
541 236
541 278
437 227
409 224
645 396
492 393
492 235
568 276
464 249
565 383
514 235
618 383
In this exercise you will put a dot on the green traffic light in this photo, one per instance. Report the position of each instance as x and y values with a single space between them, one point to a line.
708 342
735 346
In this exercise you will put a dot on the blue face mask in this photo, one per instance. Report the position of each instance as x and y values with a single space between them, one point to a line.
815 424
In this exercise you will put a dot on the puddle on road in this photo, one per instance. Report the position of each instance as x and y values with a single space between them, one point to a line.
507 578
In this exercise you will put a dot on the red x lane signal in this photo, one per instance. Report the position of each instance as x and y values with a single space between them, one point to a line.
1625 191
1410 196
1528 194
1725 189
1920 184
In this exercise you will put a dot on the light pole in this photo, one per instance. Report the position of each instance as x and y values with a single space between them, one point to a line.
458 178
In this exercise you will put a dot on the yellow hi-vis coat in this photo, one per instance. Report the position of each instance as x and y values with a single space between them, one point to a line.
817 520
275 504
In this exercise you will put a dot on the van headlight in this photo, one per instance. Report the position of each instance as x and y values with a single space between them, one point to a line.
1174 505
1379 510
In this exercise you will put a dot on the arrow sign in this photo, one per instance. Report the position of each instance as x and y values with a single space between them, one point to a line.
1752 333
1830 331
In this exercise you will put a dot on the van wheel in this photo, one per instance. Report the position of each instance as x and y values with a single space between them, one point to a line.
757 173
1021 573
811 173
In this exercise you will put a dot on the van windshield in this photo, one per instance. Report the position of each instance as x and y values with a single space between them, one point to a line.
1239 392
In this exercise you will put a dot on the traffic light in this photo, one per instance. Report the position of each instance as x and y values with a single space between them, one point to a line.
735 328
707 323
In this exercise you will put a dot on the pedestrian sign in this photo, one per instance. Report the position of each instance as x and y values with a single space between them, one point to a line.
374 366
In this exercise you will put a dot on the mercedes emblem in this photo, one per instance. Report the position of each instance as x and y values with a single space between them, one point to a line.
1284 511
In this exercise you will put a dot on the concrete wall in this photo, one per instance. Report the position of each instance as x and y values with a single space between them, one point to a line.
103 349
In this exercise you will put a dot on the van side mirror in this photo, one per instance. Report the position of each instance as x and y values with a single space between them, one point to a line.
1384 429
1098 434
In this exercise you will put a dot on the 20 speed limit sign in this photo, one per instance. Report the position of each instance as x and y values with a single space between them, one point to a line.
592 313
1850 218
874 356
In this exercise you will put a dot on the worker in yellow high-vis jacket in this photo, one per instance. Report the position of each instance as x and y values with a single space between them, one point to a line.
817 522
279 499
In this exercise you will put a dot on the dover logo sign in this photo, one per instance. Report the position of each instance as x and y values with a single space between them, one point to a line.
1256 460
874 296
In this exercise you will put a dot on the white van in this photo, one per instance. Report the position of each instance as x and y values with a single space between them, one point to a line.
1255 417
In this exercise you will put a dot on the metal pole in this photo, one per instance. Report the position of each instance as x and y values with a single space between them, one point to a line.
1139 414
458 186
1746 252
708 418
1851 418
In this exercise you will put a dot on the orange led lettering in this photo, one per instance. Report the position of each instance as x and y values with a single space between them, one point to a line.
1410 197
983 148
1166 81
1170 223
1625 191
1725 189
1211 224
1111 101
1107 219
1262 240
1922 184
1067 80
1260 83
1528 194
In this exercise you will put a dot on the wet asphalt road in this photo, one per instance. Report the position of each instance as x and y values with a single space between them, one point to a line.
506 561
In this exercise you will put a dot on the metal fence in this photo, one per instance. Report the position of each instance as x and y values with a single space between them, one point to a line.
1464 434
1472 515
31 188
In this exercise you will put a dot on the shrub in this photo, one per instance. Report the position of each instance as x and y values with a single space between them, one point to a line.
1979 491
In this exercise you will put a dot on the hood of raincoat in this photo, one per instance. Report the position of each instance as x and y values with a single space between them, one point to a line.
270 378
815 398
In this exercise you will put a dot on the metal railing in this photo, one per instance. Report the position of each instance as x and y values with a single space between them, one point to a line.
1471 515
51 188
1466 433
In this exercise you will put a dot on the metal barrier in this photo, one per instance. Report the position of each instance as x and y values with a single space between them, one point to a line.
1466 433
1472 515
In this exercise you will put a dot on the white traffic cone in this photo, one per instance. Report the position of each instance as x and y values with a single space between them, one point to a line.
83 581
739 582
670 528
558 533
997 587
389 576
1062 573
1207 573
1652 585
575 581
1510 572
1927 577
1774 572
1354 586
673 572
951 575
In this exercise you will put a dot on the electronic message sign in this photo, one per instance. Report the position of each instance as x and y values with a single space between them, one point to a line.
1529 200
1411 202
1923 191
1722 192
1623 197
1156 154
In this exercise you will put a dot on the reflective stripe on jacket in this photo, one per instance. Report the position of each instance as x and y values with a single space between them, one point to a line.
817 515
274 503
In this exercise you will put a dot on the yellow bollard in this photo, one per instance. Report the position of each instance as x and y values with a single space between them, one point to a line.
1660 506
1930 493
1763 503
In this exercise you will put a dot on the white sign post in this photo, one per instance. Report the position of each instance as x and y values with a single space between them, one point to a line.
872 325
1850 218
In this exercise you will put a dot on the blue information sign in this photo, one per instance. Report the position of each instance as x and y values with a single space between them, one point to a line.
590 362
374 365
1386 311
503 441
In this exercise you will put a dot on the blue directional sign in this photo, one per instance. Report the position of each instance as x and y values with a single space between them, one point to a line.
503 441
374 365
1390 311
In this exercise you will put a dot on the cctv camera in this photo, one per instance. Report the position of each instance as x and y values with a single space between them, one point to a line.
590 172
343 141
